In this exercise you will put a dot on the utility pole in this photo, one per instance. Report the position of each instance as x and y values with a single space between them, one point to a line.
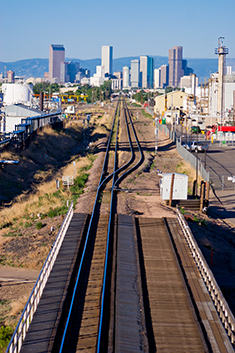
222 51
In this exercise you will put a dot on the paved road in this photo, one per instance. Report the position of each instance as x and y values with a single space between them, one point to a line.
18 274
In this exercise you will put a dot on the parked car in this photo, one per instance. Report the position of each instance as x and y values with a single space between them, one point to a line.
196 147
195 129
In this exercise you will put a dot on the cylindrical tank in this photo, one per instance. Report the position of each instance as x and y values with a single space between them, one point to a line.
18 92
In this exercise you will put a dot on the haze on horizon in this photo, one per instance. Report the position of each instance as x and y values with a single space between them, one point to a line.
131 27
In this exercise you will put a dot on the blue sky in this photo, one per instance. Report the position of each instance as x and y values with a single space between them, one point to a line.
133 28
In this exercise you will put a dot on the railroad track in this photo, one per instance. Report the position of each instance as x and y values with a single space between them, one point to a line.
85 326
132 283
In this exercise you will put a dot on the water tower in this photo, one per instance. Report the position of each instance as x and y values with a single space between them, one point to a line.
222 51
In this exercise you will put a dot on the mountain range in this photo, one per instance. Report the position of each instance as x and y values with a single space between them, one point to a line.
36 67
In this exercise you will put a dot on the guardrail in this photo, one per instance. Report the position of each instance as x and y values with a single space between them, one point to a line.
34 298
220 302
186 155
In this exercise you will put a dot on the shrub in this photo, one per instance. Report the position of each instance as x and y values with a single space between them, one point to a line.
39 225
57 211
5 336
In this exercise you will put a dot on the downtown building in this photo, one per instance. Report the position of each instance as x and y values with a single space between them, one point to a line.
175 62
68 71
107 59
146 71
135 73
126 77
164 78
56 57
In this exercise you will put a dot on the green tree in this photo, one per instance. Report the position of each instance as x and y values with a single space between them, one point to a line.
46 87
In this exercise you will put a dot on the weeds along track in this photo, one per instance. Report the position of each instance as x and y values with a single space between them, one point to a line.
87 318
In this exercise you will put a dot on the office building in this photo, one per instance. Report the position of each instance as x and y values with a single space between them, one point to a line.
175 63
116 84
146 71
68 71
118 74
157 78
98 78
126 77
164 76
135 73
56 57
107 59
10 76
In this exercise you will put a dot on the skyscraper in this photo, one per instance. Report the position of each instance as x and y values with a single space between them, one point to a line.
175 66
135 73
126 77
157 78
56 57
107 59
68 71
146 71
164 76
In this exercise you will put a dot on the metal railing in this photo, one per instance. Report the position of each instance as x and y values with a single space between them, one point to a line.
34 298
186 155
220 302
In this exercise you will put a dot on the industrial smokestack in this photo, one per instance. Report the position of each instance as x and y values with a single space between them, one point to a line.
222 51
41 96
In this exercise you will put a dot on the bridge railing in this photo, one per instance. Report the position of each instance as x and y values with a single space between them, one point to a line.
220 302
34 298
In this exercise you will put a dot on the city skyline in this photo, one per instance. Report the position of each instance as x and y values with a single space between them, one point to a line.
83 32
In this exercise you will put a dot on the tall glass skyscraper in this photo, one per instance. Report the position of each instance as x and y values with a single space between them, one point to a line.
56 57
107 59
146 71
175 61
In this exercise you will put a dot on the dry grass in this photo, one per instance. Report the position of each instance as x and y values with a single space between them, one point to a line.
18 305
35 202
185 168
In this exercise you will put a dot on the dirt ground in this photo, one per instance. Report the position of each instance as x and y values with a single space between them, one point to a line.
139 195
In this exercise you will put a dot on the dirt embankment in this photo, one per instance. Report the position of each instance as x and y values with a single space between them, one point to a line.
51 156
30 213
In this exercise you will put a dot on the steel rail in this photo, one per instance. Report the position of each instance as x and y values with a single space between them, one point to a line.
139 148
101 182
107 254
100 332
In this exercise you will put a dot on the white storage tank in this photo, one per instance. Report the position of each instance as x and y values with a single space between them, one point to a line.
19 92
180 186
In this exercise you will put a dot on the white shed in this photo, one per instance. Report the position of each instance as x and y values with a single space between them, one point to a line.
180 186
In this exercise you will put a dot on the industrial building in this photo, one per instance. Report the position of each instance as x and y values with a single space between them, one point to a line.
56 57
170 102
14 113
